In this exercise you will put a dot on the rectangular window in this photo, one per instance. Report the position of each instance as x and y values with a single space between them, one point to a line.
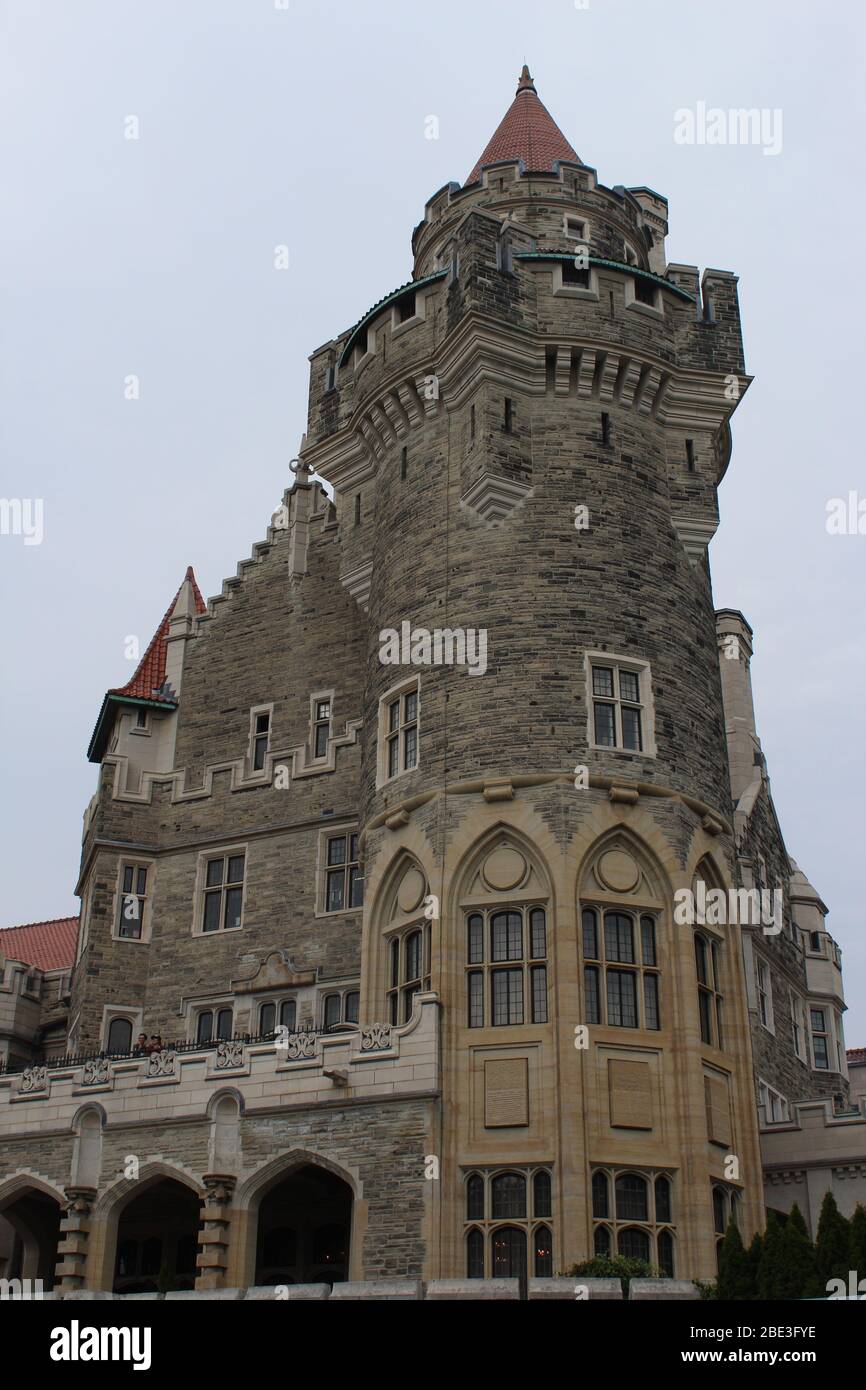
476 999
358 510
820 1048
619 706
590 985
133 899
651 1001
762 975
400 732
621 999
507 992
508 422
573 274
645 291
223 893
538 975
690 455
404 462
618 938
344 882
321 727
605 427
575 227
472 422
260 737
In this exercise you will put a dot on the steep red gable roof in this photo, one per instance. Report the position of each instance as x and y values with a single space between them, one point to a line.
527 131
150 672
45 945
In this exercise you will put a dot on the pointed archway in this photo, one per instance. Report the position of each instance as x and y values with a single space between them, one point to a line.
157 1239
304 1229
31 1234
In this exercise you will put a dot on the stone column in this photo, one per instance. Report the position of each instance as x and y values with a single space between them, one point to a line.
74 1234
212 1260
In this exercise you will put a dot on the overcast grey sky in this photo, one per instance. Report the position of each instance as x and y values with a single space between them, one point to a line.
305 126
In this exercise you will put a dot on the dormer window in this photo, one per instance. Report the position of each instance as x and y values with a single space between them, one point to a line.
406 308
572 276
646 293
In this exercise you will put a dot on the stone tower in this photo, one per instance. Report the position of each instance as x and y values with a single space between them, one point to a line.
525 441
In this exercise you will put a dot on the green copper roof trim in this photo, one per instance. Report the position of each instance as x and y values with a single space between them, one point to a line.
611 265
96 746
382 304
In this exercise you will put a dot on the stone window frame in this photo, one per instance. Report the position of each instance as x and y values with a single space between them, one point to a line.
145 729
214 1007
637 967
767 1095
655 310
397 991
135 862
560 288
223 851
764 994
342 992
132 1012
584 237
399 325
527 963
714 988
487 1225
643 670
614 1225
397 692
278 1000
316 698
261 773
342 829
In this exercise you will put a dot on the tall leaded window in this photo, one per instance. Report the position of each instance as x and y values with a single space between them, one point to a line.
321 727
507 1214
617 706
399 734
133 901
620 968
408 971
506 967
344 883
820 1039
639 1224
213 1024
223 893
710 1001
260 734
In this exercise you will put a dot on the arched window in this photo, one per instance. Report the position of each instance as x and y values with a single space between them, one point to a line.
631 1198
120 1036
351 1006
204 1027
665 1247
708 970
474 1254
542 1253
475 1197
621 986
600 1199
409 971
332 1010
288 1014
663 1199
509 984
267 1020
208 1019
601 1240
541 1194
508 1195
633 1243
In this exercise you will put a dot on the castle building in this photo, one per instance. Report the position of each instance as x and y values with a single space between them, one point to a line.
428 846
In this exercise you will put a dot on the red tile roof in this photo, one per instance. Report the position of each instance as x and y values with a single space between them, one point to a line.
150 672
45 945
856 1055
527 131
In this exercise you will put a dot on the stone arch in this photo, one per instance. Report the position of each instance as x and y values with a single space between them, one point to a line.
653 882
224 1111
399 904
31 1207
502 833
266 1179
88 1126
112 1208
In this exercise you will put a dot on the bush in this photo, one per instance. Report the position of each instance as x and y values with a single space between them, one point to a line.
614 1267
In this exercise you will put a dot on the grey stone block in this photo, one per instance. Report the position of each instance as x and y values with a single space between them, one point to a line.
207 1294
386 1289
642 1289
576 1289
309 1292
475 1289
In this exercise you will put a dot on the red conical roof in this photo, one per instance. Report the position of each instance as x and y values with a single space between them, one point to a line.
149 676
527 131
